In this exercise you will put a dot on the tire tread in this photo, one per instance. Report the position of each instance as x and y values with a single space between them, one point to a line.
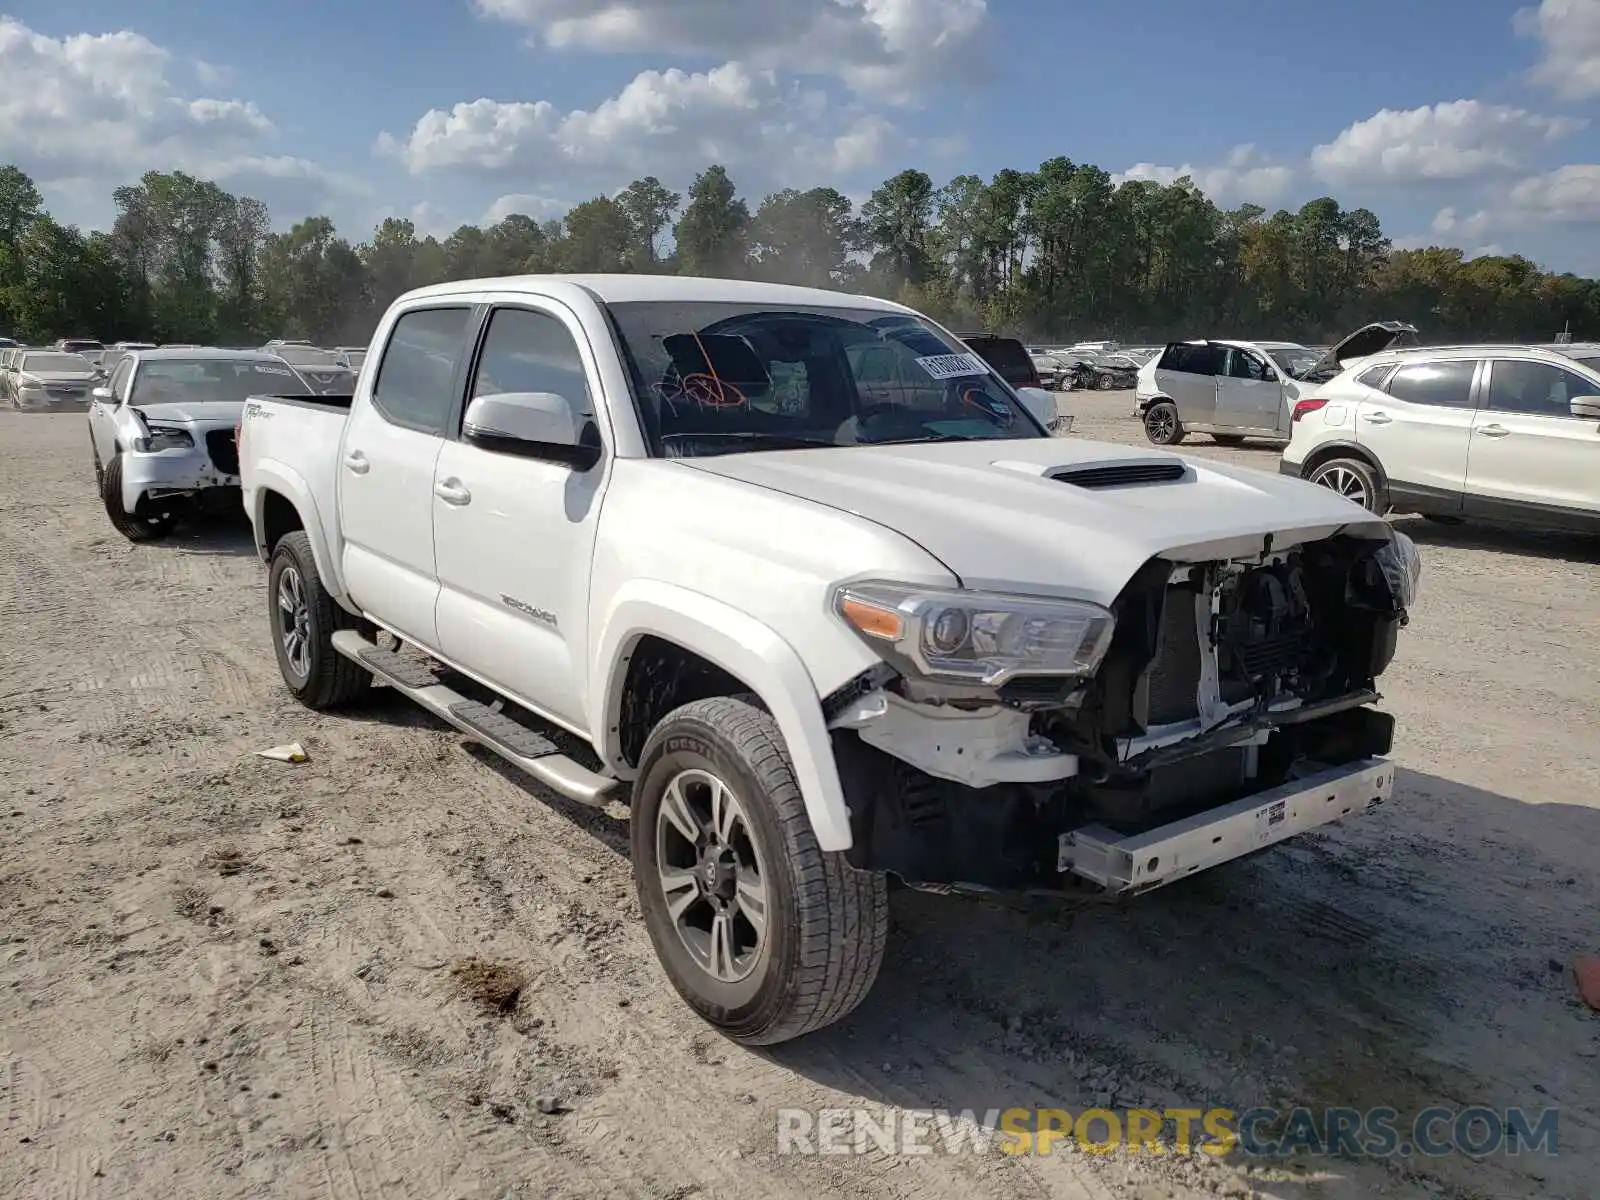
335 680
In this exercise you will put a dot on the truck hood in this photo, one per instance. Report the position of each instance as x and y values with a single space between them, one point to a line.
1004 516
194 412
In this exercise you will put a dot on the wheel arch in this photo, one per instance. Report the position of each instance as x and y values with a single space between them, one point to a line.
1328 451
654 626
280 502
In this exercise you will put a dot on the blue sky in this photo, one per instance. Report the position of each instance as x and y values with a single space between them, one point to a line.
1472 123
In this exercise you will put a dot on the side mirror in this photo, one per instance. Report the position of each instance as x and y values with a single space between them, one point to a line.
1041 404
1586 408
533 425
103 394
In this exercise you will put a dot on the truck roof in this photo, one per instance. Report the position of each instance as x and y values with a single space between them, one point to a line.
620 289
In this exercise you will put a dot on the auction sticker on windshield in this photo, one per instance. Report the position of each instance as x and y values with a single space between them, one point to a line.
953 366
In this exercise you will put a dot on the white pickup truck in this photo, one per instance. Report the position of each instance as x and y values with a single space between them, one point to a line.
803 580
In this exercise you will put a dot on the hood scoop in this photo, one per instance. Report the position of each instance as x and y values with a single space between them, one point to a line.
1122 474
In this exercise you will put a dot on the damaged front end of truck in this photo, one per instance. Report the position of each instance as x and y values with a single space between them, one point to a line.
1218 706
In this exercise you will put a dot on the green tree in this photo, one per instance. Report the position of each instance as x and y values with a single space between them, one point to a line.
896 222
806 237
649 206
713 235
599 237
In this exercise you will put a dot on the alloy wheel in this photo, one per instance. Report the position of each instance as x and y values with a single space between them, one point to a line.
711 875
294 620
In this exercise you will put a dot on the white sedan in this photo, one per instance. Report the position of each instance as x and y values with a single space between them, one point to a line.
162 431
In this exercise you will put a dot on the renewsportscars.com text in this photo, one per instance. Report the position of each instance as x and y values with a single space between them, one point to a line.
1347 1132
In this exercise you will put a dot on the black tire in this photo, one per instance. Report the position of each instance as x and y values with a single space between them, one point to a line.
826 922
1227 439
99 467
1161 424
131 526
326 678
1353 479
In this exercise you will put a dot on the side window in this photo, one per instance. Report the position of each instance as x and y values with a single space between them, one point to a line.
1244 365
1440 384
419 361
118 383
1534 388
1372 377
1193 360
529 351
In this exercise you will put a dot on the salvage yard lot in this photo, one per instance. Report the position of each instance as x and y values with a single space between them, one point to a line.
226 976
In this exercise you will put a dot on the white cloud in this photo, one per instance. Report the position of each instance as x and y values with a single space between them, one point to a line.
666 123
540 208
1448 223
1246 176
1448 142
84 113
894 49
1570 33
1569 194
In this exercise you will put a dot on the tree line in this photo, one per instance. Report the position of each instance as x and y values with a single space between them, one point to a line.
1053 254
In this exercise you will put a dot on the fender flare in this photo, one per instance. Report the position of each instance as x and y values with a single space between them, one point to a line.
127 425
270 475
746 649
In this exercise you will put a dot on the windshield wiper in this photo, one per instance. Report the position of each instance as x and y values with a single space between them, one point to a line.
776 441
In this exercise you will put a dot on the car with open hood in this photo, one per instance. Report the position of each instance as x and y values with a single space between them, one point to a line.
46 379
801 579
1235 390
162 432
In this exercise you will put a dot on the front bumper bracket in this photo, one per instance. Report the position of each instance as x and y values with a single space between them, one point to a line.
1139 862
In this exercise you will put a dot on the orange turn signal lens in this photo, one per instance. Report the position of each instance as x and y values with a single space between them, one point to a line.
874 620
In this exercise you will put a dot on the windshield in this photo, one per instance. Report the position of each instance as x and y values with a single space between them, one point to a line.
305 356
173 380
55 362
1295 361
725 378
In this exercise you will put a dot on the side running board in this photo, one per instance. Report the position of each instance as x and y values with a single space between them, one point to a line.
523 747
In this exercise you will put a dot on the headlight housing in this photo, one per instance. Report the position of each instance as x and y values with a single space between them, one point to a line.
164 437
976 637
1401 564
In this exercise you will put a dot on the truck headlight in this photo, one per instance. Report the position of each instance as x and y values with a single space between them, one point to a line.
1401 564
976 637
164 437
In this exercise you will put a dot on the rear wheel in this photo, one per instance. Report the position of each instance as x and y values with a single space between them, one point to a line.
762 933
132 526
1161 424
303 619
1354 480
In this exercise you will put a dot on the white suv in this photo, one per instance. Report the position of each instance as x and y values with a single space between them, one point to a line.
1504 432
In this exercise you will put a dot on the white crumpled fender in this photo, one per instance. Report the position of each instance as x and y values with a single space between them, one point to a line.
742 646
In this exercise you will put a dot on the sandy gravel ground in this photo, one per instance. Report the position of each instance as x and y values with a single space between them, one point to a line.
226 977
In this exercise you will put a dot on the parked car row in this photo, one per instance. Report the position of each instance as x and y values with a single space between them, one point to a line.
806 581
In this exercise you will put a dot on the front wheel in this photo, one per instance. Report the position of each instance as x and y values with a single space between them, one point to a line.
303 619
1354 480
1161 424
762 933
133 526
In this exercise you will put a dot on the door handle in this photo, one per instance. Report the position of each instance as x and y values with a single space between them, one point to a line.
1493 430
356 462
1378 418
451 492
